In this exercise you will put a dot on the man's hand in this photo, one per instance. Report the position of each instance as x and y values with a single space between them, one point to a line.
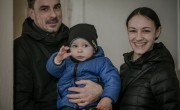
89 94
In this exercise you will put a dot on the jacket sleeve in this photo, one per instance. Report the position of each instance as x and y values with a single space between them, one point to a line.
111 80
23 81
53 69
166 89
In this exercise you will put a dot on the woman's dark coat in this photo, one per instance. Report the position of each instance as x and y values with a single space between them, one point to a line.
149 83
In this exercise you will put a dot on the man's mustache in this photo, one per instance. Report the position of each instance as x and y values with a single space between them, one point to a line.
52 21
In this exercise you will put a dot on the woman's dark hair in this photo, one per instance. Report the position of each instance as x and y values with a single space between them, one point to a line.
31 3
147 12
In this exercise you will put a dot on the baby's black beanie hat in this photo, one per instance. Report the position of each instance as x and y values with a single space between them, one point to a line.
85 31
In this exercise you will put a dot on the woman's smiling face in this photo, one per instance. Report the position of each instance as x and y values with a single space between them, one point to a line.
142 34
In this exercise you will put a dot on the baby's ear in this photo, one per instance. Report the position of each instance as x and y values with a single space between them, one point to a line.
94 51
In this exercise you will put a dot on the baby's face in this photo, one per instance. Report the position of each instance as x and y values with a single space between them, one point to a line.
81 49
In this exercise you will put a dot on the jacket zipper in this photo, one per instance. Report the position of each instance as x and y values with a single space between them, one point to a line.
75 77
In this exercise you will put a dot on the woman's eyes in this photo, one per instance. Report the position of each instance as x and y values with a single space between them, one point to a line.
144 31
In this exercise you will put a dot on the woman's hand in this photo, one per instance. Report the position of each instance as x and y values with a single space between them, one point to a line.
89 94
105 104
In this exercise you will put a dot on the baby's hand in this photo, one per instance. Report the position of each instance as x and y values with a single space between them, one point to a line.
105 104
62 54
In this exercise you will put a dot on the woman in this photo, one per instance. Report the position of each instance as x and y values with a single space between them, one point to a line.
149 80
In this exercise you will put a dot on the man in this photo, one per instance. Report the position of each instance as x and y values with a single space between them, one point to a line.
43 33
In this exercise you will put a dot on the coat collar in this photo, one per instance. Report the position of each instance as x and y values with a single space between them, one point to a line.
30 29
133 69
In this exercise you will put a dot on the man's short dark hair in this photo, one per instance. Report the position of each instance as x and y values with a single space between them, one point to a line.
31 3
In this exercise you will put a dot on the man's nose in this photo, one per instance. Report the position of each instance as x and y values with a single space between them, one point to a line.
52 13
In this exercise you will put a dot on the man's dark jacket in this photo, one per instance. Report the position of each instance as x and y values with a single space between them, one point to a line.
34 88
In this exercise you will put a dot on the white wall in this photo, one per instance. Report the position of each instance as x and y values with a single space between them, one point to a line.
20 13
109 18
178 8
6 55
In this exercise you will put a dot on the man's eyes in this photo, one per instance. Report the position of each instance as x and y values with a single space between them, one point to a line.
44 8
58 6
132 30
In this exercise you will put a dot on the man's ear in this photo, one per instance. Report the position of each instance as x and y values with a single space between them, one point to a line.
31 13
